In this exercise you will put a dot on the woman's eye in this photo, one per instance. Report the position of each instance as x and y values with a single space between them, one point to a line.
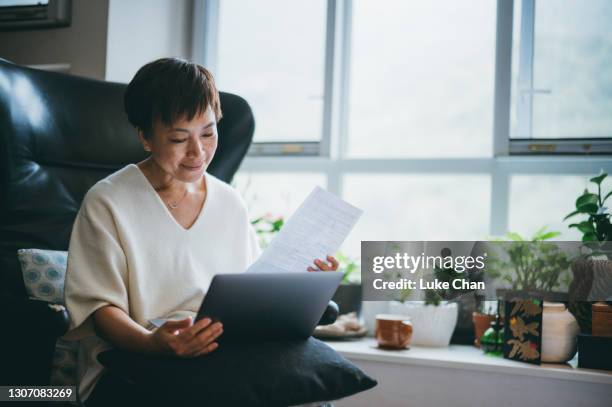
208 135
178 140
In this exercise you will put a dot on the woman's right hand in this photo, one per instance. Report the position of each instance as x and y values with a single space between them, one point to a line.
186 339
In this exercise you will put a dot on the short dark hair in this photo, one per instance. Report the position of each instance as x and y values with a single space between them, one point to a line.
170 89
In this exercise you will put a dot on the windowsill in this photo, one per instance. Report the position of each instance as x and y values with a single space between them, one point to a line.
465 357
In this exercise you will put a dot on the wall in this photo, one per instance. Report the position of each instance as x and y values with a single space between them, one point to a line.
107 39
82 44
140 31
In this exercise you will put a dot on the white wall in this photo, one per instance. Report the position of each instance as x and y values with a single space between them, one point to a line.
82 45
140 31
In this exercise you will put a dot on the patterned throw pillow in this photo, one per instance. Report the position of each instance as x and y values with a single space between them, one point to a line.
44 274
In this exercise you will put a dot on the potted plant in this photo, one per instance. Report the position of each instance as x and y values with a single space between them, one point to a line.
531 265
596 228
542 268
434 319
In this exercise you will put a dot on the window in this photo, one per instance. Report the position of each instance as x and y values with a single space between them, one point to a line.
412 98
418 207
276 194
561 89
537 200
272 52
421 79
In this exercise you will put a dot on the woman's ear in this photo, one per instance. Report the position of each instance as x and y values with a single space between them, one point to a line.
143 140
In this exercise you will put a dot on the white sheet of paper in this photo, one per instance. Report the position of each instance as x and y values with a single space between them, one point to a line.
316 229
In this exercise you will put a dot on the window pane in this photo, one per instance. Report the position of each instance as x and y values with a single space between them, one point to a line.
277 194
418 207
422 78
572 79
539 200
271 52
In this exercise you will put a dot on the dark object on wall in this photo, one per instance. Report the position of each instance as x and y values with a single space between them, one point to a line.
594 352
27 15
249 374
60 134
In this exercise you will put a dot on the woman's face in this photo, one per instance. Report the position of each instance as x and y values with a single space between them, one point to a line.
185 149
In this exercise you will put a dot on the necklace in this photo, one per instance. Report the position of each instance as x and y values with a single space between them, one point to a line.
175 204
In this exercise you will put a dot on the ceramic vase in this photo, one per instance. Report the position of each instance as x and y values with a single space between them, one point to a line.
432 325
559 331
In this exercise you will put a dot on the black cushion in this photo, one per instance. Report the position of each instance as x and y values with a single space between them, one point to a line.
244 374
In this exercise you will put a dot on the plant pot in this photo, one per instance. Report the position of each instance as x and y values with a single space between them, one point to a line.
348 298
432 325
559 331
482 322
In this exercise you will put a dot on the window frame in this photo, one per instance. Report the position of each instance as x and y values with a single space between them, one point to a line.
332 160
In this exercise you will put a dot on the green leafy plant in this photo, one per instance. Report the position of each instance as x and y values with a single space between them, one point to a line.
266 227
531 264
597 226
448 274
348 265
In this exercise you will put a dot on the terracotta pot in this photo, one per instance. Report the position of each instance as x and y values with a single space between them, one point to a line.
602 319
481 324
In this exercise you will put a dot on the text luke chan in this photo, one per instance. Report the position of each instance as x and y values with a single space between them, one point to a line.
406 284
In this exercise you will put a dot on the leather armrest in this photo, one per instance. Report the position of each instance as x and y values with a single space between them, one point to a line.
49 319
330 314
27 343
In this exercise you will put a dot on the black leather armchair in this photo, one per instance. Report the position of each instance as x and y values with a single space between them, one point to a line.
60 134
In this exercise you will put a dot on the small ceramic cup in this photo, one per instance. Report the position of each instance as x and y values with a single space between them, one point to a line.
393 331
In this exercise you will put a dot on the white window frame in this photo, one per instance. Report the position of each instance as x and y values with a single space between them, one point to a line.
333 162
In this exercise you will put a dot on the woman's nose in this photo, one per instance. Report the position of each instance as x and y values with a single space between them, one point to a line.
196 148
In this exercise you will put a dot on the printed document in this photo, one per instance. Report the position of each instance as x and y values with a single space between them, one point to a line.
316 229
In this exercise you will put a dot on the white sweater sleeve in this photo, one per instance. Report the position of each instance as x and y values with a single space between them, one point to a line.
96 273
255 249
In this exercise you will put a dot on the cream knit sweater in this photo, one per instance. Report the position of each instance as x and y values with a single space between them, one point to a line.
127 250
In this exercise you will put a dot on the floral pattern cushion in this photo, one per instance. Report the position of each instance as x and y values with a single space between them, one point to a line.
44 274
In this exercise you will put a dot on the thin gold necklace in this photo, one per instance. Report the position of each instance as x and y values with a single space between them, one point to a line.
175 204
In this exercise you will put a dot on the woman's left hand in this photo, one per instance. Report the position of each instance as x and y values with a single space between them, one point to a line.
320 265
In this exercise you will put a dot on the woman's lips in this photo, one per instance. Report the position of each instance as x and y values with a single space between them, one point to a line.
192 168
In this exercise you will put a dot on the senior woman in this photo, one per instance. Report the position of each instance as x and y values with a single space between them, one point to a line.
149 238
